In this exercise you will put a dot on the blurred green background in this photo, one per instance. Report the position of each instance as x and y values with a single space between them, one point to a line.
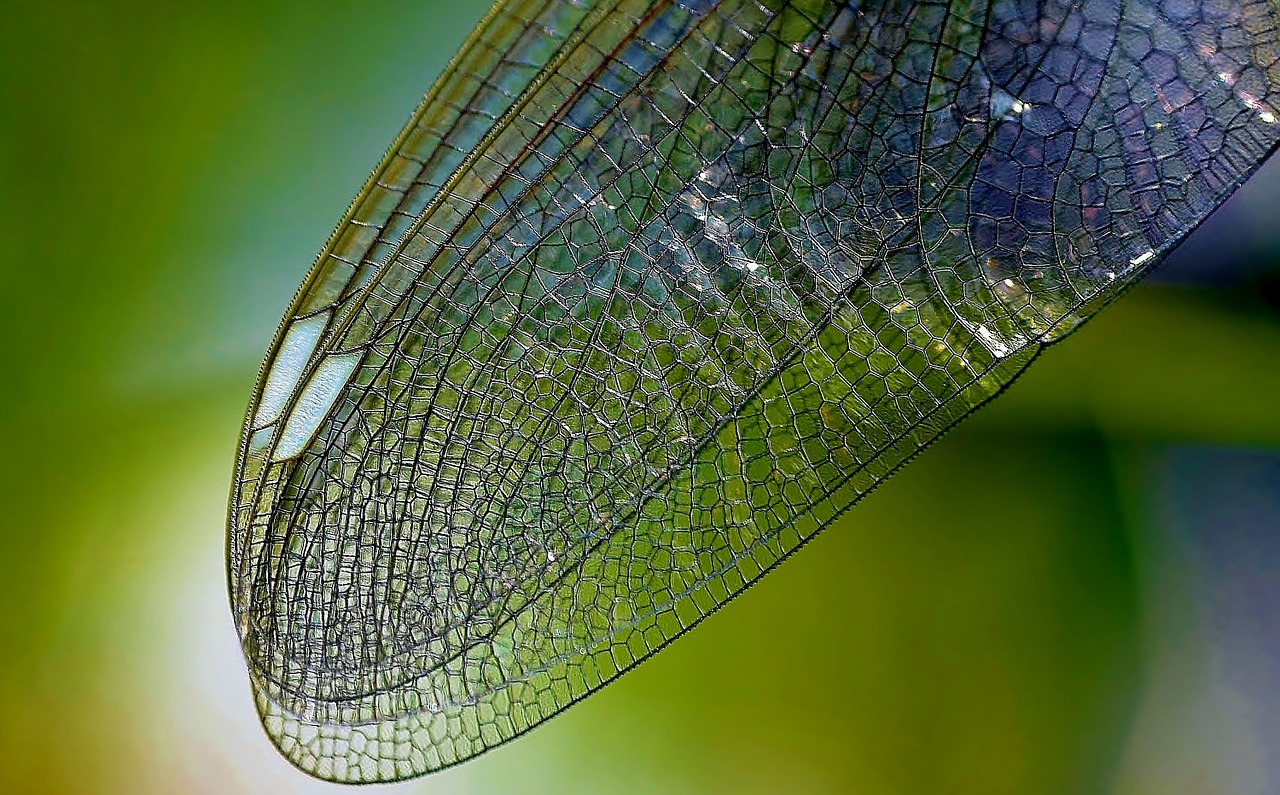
1073 593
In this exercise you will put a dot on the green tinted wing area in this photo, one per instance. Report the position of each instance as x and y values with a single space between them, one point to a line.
648 293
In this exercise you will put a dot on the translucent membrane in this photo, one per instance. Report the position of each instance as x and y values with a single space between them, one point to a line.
647 293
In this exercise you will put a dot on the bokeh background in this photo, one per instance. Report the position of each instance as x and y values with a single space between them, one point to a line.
1078 591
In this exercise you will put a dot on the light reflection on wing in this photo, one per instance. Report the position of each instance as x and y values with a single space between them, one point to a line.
647 293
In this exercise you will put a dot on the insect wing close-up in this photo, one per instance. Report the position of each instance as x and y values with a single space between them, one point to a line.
646 294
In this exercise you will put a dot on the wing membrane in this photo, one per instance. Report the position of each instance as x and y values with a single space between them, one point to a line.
690 281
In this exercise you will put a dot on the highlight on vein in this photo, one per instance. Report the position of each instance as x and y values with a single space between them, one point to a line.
646 294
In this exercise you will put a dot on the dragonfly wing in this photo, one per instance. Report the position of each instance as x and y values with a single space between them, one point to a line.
694 279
